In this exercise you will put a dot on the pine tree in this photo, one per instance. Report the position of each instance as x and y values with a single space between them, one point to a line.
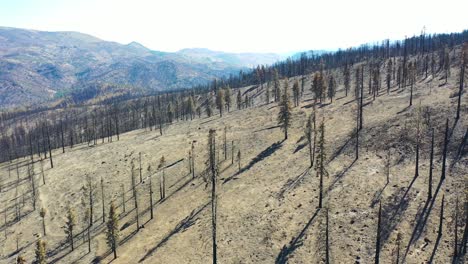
69 226
296 93
112 233
228 98
276 85
89 194
284 115
388 77
320 160
41 255
347 79
220 101
239 100
331 88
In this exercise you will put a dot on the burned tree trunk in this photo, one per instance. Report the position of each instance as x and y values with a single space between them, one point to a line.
431 167
135 197
444 154
377 244
150 192
103 201
213 170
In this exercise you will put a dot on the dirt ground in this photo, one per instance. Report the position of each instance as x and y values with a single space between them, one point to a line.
267 211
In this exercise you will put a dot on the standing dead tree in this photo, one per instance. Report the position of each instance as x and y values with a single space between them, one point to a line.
379 228
135 196
431 167
162 179
150 191
213 171
103 201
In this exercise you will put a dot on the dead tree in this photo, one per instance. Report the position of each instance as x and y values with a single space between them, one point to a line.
213 170
462 79
387 166
135 196
455 235
103 201
162 179
122 188
327 244
398 248
42 172
139 169
193 159
377 244
239 159
431 167
50 148
150 190
90 192
439 232
416 169
361 98
232 152
33 185
225 143
357 133
444 153
308 135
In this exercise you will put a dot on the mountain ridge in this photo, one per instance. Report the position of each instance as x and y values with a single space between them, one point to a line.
37 65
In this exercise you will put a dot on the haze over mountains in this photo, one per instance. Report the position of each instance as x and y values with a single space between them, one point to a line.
37 66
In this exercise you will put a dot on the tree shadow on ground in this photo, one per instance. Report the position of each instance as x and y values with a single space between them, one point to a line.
295 242
262 155
182 226
292 183
421 219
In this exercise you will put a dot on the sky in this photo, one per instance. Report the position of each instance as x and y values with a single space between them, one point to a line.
240 25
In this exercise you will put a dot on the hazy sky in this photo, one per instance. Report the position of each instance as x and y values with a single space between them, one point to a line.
239 25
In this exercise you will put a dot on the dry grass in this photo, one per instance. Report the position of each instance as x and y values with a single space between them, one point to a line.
268 208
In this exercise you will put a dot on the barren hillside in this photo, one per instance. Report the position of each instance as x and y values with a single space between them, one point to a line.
267 207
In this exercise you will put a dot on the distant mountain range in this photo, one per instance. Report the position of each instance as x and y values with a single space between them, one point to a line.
36 66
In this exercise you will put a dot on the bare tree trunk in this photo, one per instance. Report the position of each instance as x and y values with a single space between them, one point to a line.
455 237
151 194
212 148
377 245
123 197
103 202
135 198
444 154
139 170
431 167
327 244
